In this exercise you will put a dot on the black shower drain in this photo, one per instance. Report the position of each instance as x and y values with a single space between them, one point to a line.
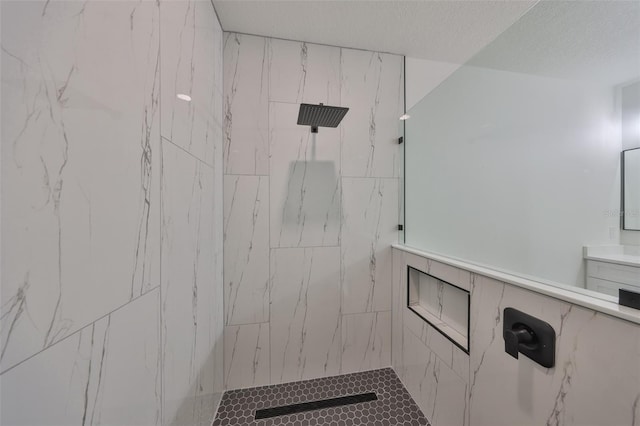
315 405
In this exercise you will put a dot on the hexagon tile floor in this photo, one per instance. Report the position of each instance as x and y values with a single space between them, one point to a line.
394 405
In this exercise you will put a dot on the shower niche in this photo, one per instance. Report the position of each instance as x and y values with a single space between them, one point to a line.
441 304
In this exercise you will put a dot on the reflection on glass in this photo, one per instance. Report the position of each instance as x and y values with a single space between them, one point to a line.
513 161
631 193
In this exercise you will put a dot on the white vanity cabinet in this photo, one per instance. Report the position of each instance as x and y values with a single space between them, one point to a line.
611 268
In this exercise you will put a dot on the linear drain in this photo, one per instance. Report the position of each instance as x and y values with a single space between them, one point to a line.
315 405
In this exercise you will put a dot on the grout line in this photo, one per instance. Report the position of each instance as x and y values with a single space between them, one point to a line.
248 323
363 313
217 16
341 217
303 247
371 177
316 43
187 152
244 174
161 341
80 329
269 57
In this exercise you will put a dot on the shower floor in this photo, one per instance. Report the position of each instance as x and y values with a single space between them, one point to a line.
393 406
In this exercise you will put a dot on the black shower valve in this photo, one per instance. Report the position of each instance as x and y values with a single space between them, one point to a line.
529 336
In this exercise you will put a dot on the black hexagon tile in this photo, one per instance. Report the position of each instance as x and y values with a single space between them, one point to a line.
393 406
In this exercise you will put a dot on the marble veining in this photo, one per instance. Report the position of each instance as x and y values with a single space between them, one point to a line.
312 213
191 67
60 213
189 330
246 239
305 313
524 390
439 392
308 212
247 62
246 355
304 72
92 195
373 86
366 341
368 228
105 373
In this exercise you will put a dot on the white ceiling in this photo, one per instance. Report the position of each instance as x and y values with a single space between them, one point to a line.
596 41
449 31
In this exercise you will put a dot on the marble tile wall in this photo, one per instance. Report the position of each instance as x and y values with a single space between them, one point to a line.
111 212
596 379
309 219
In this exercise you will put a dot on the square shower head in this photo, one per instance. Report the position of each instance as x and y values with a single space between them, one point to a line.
320 116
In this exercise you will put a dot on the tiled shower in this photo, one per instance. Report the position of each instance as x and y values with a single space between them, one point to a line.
111 213
309 218
171 239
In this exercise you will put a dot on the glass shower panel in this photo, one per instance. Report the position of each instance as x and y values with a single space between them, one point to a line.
513 161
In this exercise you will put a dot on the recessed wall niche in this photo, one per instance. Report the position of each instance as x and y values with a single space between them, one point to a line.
441 304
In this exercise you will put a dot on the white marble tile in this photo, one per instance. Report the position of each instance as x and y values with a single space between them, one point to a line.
417 262
218 261
190 322
190 66
106 373
80 164
305 313
593 355
452 275
246 104
460 364
304 72
419 327
372 87
366 341
438 391
246 249
304 184
246 355
369 227
398 307
430 337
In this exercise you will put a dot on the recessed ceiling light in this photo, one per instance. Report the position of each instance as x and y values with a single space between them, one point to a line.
183 97
405 116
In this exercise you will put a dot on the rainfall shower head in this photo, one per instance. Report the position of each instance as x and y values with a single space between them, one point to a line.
320 116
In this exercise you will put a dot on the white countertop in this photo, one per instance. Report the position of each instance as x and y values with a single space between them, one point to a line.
622 255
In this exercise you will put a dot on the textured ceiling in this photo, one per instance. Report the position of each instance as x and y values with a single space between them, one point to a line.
597 41
449 31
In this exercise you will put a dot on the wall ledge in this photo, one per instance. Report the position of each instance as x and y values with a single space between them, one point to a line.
577 296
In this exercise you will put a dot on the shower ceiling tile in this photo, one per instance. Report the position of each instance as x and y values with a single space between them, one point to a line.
190 67
305 313
370 220
366 341
246 249
304 73
304 184
372 87
246 109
